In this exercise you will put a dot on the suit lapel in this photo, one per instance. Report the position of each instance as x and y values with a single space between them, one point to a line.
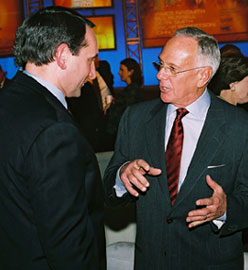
211 139
155 138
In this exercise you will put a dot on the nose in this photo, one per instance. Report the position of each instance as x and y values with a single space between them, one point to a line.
92 74
163 74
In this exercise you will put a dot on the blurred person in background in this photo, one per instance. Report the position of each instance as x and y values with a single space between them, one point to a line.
130 73
90 108
230 50
231 80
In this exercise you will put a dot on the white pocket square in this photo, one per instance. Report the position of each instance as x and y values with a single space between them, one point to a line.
216 166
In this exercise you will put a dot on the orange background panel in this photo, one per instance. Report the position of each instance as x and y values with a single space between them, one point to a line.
11 17
227 20
104 31
83 3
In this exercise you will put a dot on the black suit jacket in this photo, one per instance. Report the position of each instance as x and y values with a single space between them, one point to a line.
163 240
51 197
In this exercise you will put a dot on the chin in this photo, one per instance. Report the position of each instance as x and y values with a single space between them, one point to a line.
164 98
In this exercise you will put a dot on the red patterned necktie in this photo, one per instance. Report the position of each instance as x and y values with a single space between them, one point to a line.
173 154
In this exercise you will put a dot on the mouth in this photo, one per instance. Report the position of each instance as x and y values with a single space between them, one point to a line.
163 88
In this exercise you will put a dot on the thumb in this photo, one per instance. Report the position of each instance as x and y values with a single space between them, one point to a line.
154 171
211 183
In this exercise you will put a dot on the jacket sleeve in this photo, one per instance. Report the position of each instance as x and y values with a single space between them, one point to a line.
237 199
58 160
120 156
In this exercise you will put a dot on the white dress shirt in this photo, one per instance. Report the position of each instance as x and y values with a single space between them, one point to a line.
192 126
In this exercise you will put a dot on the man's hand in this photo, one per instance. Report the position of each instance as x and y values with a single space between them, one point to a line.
215 206
132 174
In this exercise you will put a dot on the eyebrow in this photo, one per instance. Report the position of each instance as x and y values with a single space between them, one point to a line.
93 57
169 64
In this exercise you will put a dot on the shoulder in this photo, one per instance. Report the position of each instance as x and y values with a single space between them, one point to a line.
145 109
133 87
233 115
148 104
29 111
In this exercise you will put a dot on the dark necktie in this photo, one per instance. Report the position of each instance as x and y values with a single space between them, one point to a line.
173 154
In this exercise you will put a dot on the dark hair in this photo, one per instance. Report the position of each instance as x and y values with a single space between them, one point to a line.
230 49
208 49
232 69
131 64
40 34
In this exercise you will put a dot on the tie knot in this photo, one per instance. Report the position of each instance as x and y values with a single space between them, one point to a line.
181 113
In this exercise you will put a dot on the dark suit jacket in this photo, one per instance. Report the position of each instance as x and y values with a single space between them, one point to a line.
163 240
51 198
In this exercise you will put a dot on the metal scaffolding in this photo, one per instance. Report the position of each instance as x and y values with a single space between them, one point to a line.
33 6
131 25
132 29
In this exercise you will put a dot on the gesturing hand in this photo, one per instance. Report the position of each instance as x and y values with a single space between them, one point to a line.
215 206
132 174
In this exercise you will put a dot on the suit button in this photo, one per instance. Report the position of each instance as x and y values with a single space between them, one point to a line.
169 220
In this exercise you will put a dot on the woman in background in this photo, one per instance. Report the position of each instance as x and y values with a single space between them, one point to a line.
231 80
130 73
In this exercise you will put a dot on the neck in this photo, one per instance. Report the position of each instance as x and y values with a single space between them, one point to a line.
128 81
229 96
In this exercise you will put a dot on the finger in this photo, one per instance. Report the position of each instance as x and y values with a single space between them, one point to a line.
129 186
131 175
196 218
143 164
205 202
196 223
199 212
136 166
138 179
135 178
211 183
144 167
154 171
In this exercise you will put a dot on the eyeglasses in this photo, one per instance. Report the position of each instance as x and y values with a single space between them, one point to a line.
171 70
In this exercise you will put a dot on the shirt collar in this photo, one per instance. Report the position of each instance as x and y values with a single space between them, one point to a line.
50 87
197 109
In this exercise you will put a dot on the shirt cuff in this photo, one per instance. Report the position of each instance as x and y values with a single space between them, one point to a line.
120 189
219 222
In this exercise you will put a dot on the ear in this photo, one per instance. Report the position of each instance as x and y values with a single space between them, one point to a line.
131 71
62 54
204 76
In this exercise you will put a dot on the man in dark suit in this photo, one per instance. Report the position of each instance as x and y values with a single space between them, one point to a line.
51 196
199 227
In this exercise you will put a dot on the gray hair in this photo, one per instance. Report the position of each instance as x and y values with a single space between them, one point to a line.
208 50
